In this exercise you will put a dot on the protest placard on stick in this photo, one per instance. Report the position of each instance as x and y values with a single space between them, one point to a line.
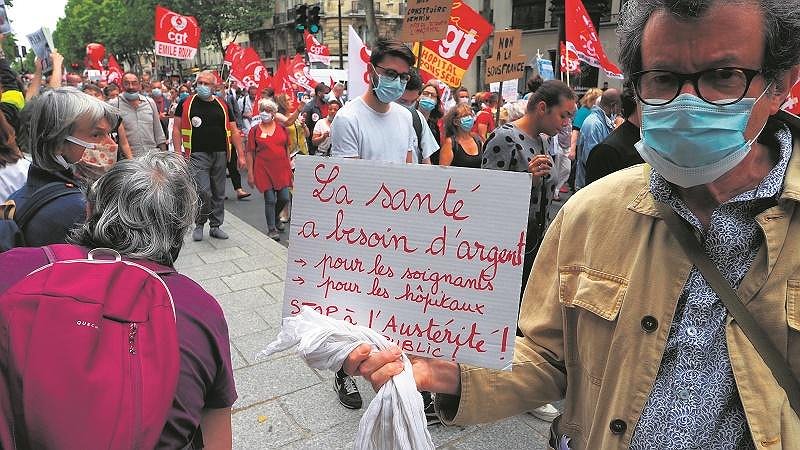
5 25
430 257
426 20
42 43
507 61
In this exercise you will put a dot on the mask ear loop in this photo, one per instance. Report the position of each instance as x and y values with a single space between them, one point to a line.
755 138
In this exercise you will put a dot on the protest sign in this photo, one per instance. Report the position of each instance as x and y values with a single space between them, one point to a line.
5 25
506 62
448 59
42 43
426 20
509 91
428 256
176 36
545 68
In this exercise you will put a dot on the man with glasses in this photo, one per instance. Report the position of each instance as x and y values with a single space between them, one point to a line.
141 117
616 318
373 126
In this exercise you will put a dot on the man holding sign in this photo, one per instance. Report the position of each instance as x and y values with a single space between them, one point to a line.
627 315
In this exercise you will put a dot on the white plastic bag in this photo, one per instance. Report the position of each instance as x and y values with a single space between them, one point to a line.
395 419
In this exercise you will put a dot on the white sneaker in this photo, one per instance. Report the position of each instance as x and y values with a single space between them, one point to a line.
547 412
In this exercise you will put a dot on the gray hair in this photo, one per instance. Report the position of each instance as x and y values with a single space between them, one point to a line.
141 208
49 118
266 103
781 28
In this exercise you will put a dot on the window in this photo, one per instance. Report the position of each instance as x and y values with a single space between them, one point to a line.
528 14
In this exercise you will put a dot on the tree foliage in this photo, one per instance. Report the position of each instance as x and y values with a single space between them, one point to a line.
126 27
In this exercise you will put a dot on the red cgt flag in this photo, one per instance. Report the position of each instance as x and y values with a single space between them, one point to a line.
176 36
298 74
246 66
583 41
569 61
114 70
316 51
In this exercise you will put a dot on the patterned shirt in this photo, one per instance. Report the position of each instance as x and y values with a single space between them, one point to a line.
694 402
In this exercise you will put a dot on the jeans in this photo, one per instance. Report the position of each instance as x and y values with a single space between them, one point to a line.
274 201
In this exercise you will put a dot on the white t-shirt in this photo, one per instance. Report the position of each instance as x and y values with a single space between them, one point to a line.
320 127
361 132
12 177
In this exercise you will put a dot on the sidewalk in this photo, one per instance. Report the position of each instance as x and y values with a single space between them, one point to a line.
282 402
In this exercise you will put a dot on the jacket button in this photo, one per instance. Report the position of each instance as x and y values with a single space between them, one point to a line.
649 324
618 426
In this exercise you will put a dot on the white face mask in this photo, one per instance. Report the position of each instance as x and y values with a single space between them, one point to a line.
63 162
266 117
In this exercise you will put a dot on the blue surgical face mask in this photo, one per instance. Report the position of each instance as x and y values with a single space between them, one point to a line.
387 90
203 91
183 95
466 122
130 96
691 142
427 104
156 92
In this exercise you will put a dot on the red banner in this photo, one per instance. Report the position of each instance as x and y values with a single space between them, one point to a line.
582 39
316 51
176 36
246 66
569 61
792 103
448 59
114 71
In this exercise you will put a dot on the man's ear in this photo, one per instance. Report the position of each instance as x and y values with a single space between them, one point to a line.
782 87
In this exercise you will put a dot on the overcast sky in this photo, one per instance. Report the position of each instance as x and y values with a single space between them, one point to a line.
28 15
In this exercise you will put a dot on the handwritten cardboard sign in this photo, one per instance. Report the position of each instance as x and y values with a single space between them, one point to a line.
426 20
428 256
507 61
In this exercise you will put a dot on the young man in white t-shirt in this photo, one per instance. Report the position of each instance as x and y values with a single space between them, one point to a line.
372 126
321 136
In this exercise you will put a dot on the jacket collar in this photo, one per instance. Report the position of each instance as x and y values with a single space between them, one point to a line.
644 203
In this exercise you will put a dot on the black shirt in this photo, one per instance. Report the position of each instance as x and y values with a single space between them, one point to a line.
615 153
208 125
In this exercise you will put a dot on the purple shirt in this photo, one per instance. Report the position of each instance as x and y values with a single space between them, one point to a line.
206 375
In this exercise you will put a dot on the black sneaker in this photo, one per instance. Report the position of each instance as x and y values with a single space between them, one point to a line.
346 387
430 412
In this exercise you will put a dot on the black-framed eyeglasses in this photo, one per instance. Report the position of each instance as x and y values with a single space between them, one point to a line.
393 75
721 86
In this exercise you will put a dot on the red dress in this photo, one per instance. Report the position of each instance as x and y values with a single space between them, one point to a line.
271 167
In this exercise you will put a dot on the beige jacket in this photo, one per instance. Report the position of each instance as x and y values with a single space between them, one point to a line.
598 309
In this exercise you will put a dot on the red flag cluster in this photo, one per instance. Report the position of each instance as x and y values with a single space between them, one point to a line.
582 39
246 67
569 60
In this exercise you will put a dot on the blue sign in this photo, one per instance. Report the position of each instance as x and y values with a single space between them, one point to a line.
545 67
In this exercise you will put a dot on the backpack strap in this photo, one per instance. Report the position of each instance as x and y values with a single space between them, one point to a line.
64 252
40 198
417 122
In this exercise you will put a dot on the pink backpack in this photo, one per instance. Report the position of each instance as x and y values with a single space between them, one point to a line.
88 353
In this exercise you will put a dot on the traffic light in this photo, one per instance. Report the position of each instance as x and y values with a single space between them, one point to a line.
313 20
300 17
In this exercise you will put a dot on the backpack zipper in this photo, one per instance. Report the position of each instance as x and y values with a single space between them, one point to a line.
136 369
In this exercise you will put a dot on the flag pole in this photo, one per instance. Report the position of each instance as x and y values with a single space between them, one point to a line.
499 98
566 55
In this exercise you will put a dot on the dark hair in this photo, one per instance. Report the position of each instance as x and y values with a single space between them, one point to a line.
781 28
270 92
391 47
449 121
92 88
460 89
628 100
333 100
9 152
551 92
321 88
436 112
110 87
414 81
534 83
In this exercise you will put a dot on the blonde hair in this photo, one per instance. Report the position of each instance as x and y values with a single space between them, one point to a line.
591 96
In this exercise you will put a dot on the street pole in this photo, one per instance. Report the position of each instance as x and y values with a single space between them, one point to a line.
341 50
